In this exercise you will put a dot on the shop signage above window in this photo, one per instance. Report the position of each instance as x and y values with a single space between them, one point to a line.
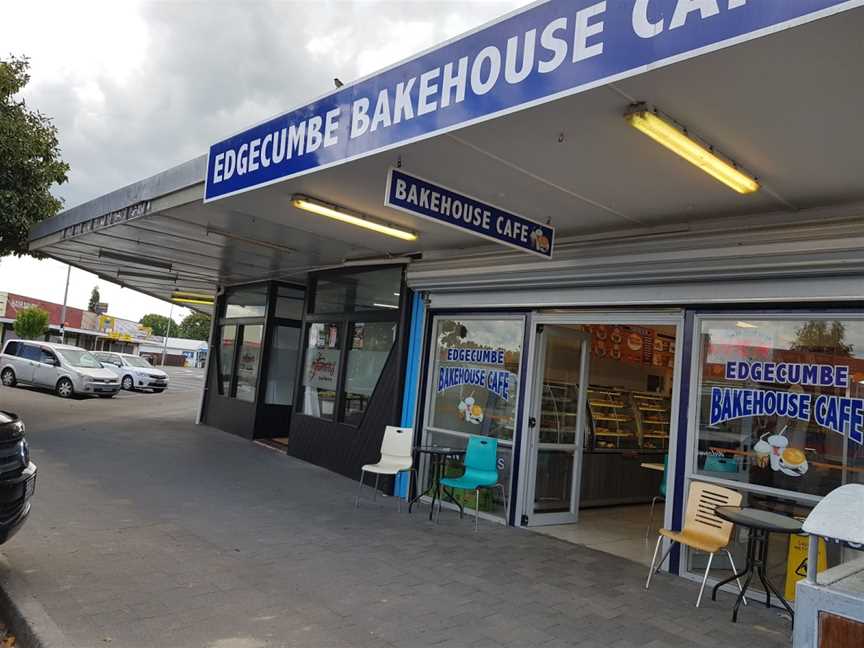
422 198
544 52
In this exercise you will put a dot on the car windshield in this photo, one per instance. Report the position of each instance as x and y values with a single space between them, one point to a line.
136 361
80 358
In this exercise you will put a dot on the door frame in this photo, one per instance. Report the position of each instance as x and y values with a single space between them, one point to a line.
531 433
668 317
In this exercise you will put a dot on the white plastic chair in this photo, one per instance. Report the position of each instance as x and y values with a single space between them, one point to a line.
396 457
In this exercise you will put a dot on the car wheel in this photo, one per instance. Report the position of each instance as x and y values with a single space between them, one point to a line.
65 388
8 377
128 384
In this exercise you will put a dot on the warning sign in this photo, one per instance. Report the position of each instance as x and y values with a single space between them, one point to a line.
796 562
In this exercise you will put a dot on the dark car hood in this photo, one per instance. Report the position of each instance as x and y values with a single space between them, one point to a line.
9 428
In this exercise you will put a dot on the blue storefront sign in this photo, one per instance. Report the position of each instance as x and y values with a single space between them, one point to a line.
442 205
546 51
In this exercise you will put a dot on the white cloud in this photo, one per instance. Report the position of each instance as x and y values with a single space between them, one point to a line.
137 87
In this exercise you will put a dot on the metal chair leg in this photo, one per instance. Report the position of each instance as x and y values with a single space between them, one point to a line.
506 503
360 490
651 516
653 560
735 571
704 579
399 495
375 493
476 508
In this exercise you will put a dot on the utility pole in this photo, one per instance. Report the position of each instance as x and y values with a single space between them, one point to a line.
63 311
167 333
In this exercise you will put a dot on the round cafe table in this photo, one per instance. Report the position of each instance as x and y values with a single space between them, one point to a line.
761 525
439 456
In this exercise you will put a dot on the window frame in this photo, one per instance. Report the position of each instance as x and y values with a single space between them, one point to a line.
346 320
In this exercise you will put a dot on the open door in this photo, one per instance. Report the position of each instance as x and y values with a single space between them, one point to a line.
556 424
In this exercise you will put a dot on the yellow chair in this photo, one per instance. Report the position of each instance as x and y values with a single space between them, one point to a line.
703 530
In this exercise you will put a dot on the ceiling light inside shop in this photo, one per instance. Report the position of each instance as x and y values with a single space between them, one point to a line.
667 133
341 214
384 305
745 325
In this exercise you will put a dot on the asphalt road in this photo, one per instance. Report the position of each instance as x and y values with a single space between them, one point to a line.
148 530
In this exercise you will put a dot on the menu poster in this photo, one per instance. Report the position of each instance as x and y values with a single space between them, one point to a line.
632 344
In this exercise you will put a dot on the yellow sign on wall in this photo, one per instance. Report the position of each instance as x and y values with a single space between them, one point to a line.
796 562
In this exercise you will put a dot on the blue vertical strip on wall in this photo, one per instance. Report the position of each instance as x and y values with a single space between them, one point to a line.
412 379
681 448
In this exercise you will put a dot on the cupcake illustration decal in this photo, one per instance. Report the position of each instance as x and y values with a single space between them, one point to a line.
540 241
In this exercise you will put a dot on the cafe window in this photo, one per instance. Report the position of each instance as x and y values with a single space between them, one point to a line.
373 290
779 417
247 362
474 390
321 369
282 365
781 403
244 302
349 336
227 340
370 344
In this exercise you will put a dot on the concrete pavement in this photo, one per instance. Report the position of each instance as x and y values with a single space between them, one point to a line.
148 530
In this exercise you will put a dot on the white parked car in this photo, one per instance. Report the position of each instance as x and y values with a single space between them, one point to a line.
133 371
67 370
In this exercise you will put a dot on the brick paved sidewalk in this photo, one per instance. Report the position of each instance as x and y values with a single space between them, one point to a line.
150 531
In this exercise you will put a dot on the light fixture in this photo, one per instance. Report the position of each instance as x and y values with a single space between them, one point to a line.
182 294
345 216
379 305
134 258
248 239
396 294
186 300
745 325
667 133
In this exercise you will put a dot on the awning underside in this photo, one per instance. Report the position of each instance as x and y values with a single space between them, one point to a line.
785 107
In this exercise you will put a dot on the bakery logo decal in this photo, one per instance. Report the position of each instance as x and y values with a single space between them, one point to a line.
841 414
494 380
322 369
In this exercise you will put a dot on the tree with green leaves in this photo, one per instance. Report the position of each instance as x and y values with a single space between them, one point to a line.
30 162
93 304
822 336
195 326
158 324
31 323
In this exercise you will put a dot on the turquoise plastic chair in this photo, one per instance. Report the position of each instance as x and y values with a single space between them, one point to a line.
716 463
661 496
481 471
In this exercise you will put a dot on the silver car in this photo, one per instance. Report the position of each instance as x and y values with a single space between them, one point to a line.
134 372
67 370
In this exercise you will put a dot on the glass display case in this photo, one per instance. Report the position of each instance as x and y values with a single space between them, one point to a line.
653 416
612 420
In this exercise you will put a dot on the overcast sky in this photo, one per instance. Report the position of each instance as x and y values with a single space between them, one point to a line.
137 87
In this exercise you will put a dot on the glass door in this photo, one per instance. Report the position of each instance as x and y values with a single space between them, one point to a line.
556 424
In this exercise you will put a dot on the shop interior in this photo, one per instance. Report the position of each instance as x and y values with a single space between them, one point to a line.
626 434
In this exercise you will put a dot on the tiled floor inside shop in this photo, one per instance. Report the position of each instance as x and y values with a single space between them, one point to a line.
618 530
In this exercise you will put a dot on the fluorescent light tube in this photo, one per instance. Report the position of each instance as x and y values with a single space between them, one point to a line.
180 294
343 215
384 305
185 300
669 134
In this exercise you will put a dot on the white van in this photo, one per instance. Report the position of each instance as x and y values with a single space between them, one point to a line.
65 369
133 371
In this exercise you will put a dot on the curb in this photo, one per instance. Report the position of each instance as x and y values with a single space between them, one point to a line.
24 614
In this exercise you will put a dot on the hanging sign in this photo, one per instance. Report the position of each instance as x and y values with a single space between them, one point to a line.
422 198
543 52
